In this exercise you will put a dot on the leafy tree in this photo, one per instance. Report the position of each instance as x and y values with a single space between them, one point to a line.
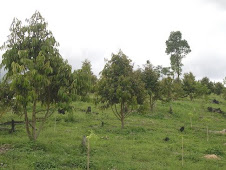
166 86
189 85
36 71
138 86
201 90
218 88
166 71
178 90
85 80
177 49
209 84
150 77
118 86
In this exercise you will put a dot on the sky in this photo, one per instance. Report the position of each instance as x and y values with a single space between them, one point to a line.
94 29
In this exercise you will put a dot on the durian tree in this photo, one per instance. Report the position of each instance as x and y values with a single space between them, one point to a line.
37 73
119 87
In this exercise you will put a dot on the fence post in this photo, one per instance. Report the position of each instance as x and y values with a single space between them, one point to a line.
13 126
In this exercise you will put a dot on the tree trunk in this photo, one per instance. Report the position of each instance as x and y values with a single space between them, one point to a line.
43 121
34 121
122 121
27 123
122 115
151 103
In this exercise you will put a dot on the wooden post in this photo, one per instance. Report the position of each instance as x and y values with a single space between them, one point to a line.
88 109
191 121
88 150
182 151
13 126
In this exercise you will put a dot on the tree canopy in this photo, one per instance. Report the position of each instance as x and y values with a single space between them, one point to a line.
119 86
177 48
36 70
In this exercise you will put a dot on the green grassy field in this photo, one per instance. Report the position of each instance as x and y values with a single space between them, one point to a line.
140 145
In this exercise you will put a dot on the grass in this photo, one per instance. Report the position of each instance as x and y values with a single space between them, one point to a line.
140 145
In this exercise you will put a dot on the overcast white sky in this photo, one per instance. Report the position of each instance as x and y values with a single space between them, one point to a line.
94 29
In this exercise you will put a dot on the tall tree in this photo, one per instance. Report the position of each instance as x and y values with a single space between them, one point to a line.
177 48
36 71
118 87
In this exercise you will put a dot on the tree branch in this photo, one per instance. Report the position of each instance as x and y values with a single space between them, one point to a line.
44 119
115 113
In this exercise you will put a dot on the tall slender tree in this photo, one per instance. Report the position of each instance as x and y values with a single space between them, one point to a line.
177 48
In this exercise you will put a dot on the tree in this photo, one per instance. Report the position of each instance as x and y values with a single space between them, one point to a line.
150 77
85 80
209 84
189 85
36 72
201 90
178 90
177 49
117 86
218 88
166 86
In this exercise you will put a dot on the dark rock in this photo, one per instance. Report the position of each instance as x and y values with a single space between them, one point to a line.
61 111
166 139
210 109
215 110
215 101
182 129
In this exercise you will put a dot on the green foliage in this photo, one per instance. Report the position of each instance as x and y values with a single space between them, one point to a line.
209 84
118 84
218 88
85 80
201 90
6 97
177 49
189 85
178 91
166 85
150 77
35 69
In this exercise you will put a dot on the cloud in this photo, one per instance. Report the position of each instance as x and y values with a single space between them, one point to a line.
220 3
210 65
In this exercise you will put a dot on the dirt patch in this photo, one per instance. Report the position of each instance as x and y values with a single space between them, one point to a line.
212 156
223 132
4 148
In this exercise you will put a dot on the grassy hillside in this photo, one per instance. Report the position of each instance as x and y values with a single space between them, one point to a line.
140 145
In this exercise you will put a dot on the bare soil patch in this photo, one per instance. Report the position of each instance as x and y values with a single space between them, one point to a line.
212 156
